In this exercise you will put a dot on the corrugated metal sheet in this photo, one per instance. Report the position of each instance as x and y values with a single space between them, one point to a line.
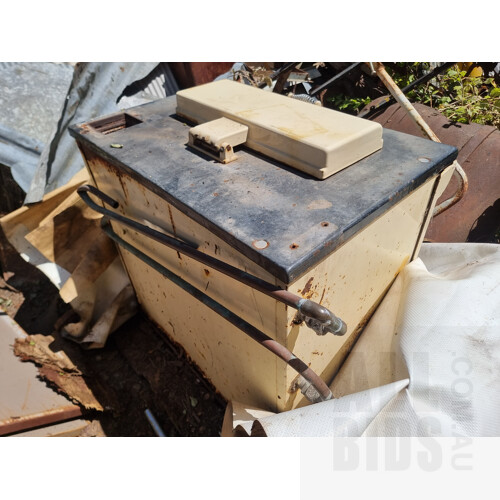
158 84
31 98
21 153
97 89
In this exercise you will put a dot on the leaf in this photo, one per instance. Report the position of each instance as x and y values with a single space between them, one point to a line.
495 92
194 401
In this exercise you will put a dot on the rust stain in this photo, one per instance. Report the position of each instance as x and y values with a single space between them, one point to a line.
207 272
173 227
124 187
306 292
172 219
403 264
17 424
92 158
322 296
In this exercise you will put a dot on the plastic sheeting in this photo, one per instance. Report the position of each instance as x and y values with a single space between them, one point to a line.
428 362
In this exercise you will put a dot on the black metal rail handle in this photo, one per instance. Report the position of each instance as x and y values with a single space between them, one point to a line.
316 317
320 392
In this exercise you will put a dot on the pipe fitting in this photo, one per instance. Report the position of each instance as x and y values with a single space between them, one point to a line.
319 318
310 392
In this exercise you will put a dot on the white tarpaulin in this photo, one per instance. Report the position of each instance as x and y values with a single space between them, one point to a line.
428 362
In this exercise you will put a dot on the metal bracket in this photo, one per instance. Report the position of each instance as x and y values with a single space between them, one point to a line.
218 138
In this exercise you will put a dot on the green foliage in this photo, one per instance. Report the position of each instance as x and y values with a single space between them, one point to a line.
347 104
461 98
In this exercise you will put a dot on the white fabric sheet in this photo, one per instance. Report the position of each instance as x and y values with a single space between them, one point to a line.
428 362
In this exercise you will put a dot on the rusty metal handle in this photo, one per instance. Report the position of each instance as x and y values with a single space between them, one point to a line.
311 385
403 101
317 317
463 185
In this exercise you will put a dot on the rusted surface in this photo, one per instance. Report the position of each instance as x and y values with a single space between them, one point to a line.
114 123
463 186
189 74
476 217
57 368
18 424
298 365
306 290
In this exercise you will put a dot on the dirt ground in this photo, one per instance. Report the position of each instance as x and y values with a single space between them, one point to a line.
138 369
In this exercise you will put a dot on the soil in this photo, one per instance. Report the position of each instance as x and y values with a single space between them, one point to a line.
138 369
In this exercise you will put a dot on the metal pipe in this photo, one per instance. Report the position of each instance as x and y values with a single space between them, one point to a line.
323 391
278 72
325 320
335 78
154 423
459 173
305 98
26 422
408 88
